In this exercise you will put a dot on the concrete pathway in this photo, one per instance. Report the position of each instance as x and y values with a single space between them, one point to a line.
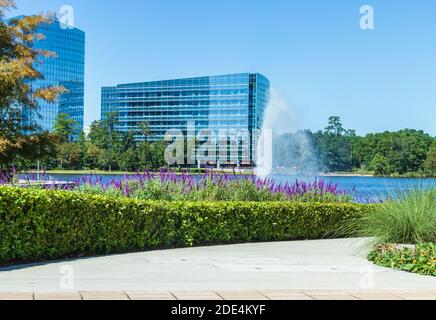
300 269
225 295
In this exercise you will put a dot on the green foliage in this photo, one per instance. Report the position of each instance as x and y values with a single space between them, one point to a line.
104 136
380 165
334 146
40 224
406 152
105 148
129 160
399 152
430 163
207 189
410 217
420 260
65 127
25 151
152 154
69 155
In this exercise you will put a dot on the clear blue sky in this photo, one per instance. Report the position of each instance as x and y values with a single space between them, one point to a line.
313 51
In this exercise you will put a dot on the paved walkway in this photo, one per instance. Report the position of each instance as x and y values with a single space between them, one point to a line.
288 270
227 295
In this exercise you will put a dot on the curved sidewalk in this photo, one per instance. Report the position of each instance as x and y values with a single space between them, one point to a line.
268 270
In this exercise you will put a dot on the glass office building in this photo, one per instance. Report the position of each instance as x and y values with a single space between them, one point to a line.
66 69
229 102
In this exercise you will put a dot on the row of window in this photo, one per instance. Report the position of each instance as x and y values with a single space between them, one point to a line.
184 93
172 124
202 81
192 113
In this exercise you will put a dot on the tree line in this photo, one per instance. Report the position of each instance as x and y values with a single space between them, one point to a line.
333 149
104 147
336 149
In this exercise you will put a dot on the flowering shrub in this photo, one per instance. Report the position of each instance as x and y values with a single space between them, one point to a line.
171 186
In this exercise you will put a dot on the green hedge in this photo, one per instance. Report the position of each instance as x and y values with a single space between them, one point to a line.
42 225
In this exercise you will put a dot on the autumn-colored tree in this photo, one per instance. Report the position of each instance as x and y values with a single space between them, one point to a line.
19 62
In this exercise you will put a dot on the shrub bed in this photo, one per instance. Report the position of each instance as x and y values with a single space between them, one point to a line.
421 260
49 224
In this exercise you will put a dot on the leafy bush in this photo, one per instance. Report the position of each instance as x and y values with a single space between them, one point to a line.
408 218
49 224
421 260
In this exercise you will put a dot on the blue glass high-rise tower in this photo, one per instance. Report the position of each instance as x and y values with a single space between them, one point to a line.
66 69
227 102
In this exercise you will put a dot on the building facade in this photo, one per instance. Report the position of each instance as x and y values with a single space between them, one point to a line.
234 102
66 69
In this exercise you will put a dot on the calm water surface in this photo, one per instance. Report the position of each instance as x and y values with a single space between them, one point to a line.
371 186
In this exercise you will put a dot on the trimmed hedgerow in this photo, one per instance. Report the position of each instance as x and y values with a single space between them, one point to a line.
42 225
421 260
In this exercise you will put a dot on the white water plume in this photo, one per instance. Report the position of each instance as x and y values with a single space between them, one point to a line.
291 151
278 115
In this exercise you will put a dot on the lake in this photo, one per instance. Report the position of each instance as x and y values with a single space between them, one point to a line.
365 187
371 187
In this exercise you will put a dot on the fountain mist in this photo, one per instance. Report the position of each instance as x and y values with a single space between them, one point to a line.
292 150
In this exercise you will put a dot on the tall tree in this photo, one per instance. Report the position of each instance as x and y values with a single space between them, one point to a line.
18 68
430 162
380 165
104 136
144 128
334 126
334 146
69 155
65 127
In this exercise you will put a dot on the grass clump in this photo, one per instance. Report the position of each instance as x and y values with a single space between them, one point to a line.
407 218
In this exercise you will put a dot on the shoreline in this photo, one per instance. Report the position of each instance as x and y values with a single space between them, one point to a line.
368 175
121 173
230 172
346 174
